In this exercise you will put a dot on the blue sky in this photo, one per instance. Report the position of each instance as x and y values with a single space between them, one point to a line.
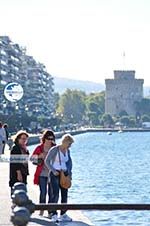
82 39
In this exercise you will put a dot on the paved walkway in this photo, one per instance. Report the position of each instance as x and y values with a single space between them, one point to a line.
5 205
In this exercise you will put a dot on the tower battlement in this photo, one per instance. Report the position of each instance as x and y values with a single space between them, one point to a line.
124 75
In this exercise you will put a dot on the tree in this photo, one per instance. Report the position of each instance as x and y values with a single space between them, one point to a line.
71 106
107 120
95 107
93 119
125 120
95 102
123 113
132 121
145 118
143 106
56 99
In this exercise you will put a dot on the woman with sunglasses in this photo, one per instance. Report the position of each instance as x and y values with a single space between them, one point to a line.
41 173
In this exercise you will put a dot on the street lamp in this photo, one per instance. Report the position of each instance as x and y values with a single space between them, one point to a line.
16 107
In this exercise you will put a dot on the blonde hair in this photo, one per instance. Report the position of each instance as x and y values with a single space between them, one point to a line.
67 138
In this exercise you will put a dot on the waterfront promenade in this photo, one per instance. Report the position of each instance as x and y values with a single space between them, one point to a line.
35 138
5 206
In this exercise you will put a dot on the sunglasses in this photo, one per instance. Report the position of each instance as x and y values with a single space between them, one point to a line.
49 138
23 138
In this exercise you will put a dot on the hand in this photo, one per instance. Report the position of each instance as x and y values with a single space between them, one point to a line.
41 156
56 173
19 177
40 161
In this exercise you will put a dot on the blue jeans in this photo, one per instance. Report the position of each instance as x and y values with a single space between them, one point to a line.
55 182
44 188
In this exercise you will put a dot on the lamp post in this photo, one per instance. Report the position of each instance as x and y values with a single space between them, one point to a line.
71 118
138 119
4 108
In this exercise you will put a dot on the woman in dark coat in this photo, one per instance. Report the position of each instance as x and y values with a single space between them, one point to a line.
19 159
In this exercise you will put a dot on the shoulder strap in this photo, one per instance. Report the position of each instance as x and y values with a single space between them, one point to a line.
59 157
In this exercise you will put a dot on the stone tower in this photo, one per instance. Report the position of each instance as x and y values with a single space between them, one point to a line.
122 92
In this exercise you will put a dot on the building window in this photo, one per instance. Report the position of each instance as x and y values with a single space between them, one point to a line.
3 72
3 52
3 62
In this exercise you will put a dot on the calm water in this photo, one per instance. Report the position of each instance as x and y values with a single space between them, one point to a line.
112 169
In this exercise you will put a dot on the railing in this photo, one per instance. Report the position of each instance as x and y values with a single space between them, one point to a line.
23 207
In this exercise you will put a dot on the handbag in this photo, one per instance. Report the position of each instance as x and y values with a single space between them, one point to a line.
65 180
38 162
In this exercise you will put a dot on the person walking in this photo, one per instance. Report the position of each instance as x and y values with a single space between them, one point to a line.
2 138
41 173
5 126
57 159
19 159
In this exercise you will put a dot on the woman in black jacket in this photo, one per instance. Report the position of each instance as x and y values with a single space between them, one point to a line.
19 160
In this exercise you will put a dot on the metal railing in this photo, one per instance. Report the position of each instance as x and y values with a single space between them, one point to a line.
23 207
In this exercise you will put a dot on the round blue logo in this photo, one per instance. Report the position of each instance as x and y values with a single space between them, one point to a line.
13 92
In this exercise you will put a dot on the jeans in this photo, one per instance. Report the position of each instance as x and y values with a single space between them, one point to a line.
55 182
43 184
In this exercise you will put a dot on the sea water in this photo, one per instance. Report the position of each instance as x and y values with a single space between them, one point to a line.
112 169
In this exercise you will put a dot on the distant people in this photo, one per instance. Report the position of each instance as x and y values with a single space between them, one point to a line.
5 126
2 138
19 166
41 173
58 158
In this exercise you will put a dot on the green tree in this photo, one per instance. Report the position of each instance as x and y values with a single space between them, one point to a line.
56 99
93 119
145 118
125 120
107 120
95 107
71 106
123 113
95 102
132 121
143 106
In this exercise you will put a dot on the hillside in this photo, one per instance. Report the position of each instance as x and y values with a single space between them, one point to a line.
61 84
146 91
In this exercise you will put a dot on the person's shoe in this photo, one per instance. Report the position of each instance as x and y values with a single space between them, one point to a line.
64 218
41 212
54 218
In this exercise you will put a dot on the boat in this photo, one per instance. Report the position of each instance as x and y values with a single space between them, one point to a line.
109 133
